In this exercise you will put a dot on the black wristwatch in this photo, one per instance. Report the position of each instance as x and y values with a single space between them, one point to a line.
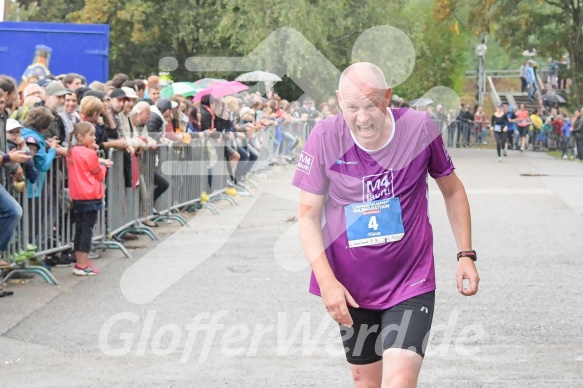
471 254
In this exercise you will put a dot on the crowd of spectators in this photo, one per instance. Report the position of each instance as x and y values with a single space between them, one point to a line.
37 120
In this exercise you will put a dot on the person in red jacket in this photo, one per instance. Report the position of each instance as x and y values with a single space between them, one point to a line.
86 174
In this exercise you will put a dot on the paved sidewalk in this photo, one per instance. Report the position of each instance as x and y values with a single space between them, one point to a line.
133 324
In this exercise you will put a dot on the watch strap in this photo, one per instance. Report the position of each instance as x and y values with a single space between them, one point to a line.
471 254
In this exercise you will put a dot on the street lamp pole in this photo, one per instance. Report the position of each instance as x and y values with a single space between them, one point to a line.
481 49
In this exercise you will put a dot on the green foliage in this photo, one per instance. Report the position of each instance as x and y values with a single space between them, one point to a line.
144 31
553 27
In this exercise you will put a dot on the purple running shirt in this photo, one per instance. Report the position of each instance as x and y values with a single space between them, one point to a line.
333 164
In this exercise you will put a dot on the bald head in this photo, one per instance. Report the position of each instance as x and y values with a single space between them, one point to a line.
363 97
143 109
363 75
142 106
33 90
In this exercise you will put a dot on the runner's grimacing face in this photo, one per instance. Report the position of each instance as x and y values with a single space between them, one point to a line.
365 111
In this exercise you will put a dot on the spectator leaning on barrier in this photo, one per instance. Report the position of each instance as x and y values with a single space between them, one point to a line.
160 114
69 117
55 94
119 100
10 210
14 141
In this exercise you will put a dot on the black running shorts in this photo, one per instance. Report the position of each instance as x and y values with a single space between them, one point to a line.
404 326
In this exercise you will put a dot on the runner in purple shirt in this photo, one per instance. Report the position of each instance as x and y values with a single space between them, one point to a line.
365 228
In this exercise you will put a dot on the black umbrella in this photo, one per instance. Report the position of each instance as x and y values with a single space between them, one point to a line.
552 97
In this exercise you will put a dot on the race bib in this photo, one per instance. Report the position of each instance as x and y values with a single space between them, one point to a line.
375 222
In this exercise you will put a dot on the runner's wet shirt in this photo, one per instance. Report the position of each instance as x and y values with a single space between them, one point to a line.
375 226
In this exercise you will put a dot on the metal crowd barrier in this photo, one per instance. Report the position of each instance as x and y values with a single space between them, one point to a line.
47 223
266 140
168 168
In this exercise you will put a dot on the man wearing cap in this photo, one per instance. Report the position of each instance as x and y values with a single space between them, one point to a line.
131 98
55 94
117 100
161 114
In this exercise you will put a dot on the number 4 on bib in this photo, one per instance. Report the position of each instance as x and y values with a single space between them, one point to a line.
372 224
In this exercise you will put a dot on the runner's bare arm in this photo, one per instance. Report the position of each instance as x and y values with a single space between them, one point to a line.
458 212
334 295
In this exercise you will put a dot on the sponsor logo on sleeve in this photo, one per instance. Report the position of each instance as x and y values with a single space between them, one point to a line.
446 153
305 163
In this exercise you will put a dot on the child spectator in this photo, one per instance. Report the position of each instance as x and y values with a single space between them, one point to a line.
15 142
86 173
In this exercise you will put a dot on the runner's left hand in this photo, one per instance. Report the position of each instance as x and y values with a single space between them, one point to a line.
466 269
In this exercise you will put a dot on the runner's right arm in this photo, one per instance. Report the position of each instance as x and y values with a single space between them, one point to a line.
334 294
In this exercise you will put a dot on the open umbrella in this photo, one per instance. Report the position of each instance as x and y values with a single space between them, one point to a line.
206 82
258 76
187 89
221 90
552 97
421 102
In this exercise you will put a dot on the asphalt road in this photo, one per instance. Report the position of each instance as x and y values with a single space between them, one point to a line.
224 301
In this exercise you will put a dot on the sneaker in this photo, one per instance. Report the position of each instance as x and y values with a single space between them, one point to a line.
499 159
92 255
504 152
89 270
231 191
4 264
57 261
68 257
565 157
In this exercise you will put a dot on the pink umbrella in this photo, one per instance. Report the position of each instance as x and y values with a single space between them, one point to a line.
221 89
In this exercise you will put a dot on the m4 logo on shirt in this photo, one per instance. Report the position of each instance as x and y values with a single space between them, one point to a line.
375 187
305 163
